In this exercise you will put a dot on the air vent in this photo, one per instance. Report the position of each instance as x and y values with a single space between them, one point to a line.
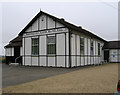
62 19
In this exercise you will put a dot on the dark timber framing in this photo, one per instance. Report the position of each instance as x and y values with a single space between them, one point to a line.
69 48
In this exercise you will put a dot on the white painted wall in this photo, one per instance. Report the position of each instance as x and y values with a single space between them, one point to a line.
27 61
73 60
34 61
51 23
67 50
35 26
42 45
51 61
59 24
60 46
42 61
113 55
21 51
27 46
42 22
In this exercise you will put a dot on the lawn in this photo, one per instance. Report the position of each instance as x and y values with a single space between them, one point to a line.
94 79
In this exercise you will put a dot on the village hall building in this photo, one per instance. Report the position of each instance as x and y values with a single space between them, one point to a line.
51 41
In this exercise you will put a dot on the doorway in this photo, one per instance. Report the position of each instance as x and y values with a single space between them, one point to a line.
106 55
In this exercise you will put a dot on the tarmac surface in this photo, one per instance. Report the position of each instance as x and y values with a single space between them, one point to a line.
14 75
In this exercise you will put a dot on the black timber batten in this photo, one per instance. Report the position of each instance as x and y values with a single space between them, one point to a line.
62 21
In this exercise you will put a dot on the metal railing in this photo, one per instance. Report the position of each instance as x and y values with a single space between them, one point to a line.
17 59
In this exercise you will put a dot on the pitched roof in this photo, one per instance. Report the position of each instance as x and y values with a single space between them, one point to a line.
62 21
17 39
112 45
15 42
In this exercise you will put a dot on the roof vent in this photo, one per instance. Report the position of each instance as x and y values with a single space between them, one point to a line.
62 19
79 27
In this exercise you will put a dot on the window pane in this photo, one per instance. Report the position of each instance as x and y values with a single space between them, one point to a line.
81 45
34 41
82 50
98 48
51 39
82 41
51 49
91 48
35 46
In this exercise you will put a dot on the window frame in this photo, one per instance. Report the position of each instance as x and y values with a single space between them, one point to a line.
91 47
82 46
33 45
51 45
99 50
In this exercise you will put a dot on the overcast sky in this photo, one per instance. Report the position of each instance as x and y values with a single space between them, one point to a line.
101 18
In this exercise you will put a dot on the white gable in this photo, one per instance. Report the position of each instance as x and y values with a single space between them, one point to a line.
44 22
35 26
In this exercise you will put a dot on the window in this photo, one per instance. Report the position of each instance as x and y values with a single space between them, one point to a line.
35 46
51 46
98 48
91 48
81 45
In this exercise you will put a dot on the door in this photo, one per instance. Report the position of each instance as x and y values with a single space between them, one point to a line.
106 55
16 52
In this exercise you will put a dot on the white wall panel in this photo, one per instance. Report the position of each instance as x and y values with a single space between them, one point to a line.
51 23
60 61
82 61
96 48
12 51
23 45
21 51
67 43
34 61
73 44
78 44
67 61
35 26
86 60
92 60
23 60
78 60
60 44
27 46
88 46
51 61
85 45
28 61
73 58
42 61
73 61
29 29
42 22
59 24
42 45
